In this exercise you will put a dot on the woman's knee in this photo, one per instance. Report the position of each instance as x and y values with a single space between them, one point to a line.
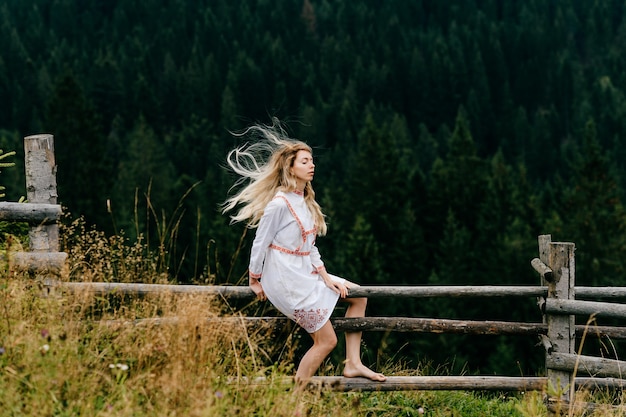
330 342
325 337
327 341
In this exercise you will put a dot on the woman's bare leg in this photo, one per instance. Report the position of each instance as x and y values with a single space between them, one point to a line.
324 341
354 367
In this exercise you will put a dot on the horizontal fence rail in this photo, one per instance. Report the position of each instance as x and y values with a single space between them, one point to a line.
435 383
587 308
243 291
589 365
600 292
398 324
240 291
30 212
464 383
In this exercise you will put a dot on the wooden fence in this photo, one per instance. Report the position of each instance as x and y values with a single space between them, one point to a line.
555 295
41 210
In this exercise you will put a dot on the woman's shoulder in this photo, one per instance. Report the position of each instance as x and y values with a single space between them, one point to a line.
279 200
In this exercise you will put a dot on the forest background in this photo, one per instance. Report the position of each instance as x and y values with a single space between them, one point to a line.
448 135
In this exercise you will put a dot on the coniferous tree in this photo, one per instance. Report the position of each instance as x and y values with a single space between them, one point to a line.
594 217
83 177
458 181
145 181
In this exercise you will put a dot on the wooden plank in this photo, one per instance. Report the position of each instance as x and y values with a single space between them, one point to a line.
30 212
448 291
590 383
432 383
601 331
600 292
429 325
146 289
380 324
587 308
243 291
401 324
412 383
588 365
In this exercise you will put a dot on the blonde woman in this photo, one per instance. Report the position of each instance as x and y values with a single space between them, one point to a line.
285 265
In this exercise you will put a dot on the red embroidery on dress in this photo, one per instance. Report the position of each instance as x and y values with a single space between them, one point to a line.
289 251
310 319
303 232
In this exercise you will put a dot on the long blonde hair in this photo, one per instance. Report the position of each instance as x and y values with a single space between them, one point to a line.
265 165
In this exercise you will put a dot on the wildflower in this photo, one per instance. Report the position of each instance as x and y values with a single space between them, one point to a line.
2 350
45 333
44 349
120 366
420 410
219 394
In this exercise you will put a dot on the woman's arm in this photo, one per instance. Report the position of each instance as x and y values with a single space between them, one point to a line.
268 226
316 258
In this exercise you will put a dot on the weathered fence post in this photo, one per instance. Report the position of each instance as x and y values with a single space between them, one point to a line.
559 257
42 211
41 187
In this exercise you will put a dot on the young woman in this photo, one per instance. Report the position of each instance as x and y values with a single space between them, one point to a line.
285 265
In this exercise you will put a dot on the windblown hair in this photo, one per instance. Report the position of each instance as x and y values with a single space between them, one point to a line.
264 164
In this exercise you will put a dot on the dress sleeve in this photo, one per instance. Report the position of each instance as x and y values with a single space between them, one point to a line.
269 225
316 258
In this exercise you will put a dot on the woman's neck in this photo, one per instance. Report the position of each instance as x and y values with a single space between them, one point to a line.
300 186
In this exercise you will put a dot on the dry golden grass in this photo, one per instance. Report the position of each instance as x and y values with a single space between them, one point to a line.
76 354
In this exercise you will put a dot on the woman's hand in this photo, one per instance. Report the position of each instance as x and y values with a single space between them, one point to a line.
338 287
255 284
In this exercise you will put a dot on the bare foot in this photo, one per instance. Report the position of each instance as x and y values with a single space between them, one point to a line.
351 371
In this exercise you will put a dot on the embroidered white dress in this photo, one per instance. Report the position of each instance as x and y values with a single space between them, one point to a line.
285 258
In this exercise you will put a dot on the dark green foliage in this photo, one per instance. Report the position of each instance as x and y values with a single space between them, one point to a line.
447 134
82 180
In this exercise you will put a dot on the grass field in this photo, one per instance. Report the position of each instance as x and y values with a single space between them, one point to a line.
76 354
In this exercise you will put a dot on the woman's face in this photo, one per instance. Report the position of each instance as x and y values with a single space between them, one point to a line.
303 167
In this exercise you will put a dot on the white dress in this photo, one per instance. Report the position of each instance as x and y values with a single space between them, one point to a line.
284 257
